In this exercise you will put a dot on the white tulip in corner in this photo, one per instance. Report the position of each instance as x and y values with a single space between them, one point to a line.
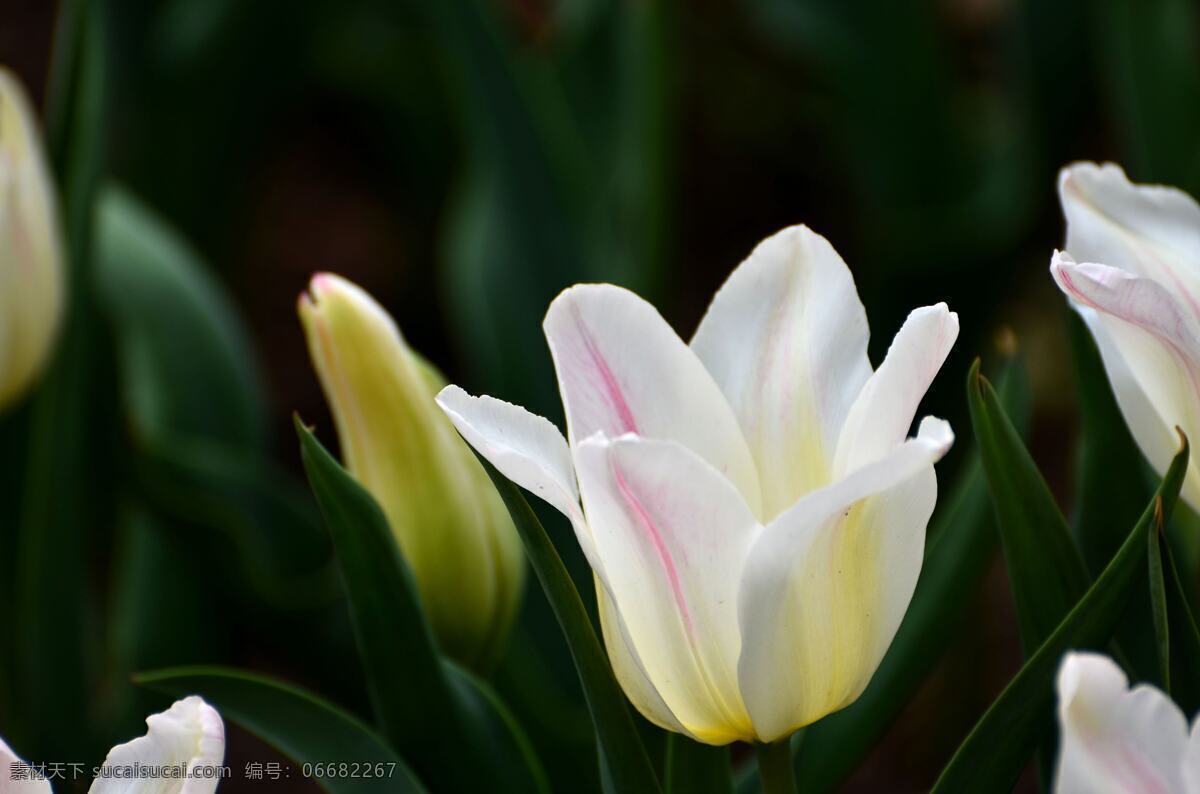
188 737
749 503
1132 271
1117 740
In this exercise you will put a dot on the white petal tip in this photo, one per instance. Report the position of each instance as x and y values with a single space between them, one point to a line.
937 432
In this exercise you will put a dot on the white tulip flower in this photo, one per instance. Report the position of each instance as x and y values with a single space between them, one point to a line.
749 504
1117 740
1132 270
181 753
32 281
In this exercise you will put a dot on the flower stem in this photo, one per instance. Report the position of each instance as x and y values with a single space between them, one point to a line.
775 768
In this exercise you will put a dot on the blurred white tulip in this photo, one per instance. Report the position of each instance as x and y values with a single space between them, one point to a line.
1132 270
1117 740
181 753
31 268
752 512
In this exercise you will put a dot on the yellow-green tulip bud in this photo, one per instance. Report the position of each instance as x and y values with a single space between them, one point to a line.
451 525
31 269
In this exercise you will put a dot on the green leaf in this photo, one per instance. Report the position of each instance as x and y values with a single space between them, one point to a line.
998 747
432 716
1113 483
1158 609
54 663
195 408
268 521
1152 66
626 763
694 768
298 724
961 544
1175 627
1045 569
496 732
184 353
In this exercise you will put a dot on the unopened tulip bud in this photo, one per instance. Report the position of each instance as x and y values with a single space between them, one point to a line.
451 525
31 269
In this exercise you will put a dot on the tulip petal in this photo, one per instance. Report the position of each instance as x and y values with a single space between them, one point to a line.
671 533
32 277
786 340
628 667
1116 739
621 369
1158 341
1147 230
826 585
1191 761
525 448
189 734
883 412
12 772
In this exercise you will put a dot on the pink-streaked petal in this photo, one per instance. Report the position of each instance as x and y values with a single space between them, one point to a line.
883 412
786 340
1157 339
1114 739
525 448
190 734
827 583
1151 231
621 369
671 533
14 775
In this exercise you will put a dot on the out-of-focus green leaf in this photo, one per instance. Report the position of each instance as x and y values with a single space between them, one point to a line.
298 724
195 406
269 522
625 761
162 613
1045 569
961 543
186 366
998 747
453 728
1152 65
694 768
63 494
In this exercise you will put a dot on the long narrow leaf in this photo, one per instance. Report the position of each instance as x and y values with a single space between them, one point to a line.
449 728
998 747
1045 569
1177 638
54 664
310 731
627 764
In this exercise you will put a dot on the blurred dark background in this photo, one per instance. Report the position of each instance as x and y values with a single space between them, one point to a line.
465 160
